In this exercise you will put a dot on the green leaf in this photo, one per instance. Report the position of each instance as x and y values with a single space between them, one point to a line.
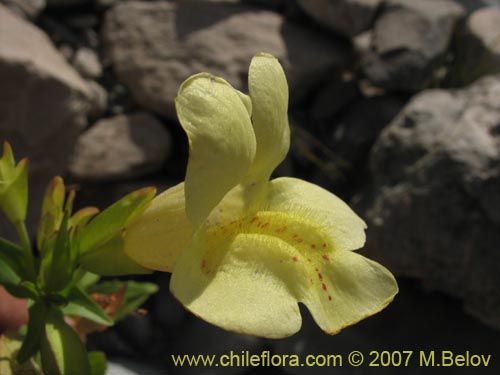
98 363
11 260
13 186
31 343
82 305
135 294
25 289
112 220
58 263
109 259
62 351
52 214
87 279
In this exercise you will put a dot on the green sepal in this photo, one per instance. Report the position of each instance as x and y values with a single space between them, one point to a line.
101 241
109 259
81 304
136 294
98 364
61 350
113 219
31 343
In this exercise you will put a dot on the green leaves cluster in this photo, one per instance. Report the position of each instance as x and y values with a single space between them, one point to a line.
74 250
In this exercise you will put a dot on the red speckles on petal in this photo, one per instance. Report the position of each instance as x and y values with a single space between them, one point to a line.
254 219
325 257
323 285
295 259
320 276
329 298
281 230
324 245
313 246
203 264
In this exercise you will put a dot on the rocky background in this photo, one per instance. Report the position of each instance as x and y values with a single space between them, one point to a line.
395 106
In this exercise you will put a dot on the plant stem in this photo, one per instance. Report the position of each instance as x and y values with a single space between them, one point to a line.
22 232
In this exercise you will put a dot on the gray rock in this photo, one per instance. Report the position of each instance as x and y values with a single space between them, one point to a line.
98 99
334 97
202 338
190 37
472 5
409 39
357 130
478 46
66 3
432 210
125 366
86 62
348 17
120 147
29 8
43 102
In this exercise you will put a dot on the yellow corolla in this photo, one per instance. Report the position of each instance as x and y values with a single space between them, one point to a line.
243 250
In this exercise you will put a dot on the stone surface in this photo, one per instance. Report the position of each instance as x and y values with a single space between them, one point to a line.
221 38
86 62
432 209
348 17
120 147
335 96
409 39
43 102
478 46
356 131
29 8
98 99
472 5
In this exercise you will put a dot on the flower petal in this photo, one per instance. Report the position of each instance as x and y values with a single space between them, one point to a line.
269 93
221 141
305 199
351 288
244 283
157 236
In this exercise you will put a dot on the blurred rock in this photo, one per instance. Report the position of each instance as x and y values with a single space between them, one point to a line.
472 5
432 209
86 62
29 8
215 341
358 129
334 97
348 17
409 39
66 3
124 366
221 38
478 46
120 147
98 99
43 103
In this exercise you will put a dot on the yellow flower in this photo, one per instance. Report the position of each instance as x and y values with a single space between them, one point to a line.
243 250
